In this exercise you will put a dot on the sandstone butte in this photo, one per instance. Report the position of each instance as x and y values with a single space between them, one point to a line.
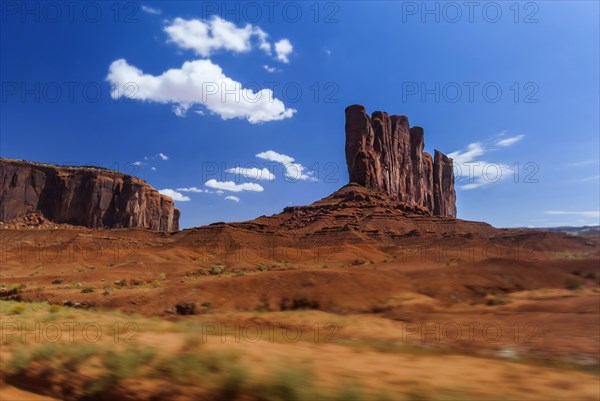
385 154
83 196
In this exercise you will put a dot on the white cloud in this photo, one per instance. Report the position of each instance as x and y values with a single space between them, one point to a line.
473 150
593 178
151 10
283 48
138 163
292 169
163 156
198 82
583 163
478 173
509 141
174 194
204 37
591 213
252 173
269 69
153 168
232 198
233 187
192 189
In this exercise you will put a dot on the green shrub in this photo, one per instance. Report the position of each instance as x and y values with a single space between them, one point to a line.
17 310
54 309
216 270
87 290
573 284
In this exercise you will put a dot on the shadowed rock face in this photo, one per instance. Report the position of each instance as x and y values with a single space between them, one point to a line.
85 196
384 153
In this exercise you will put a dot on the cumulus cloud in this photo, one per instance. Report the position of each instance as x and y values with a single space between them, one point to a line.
252 173
233 187
151 10
205 37
138 163
232 198
283 49
177 196
269 69
509 141
199 82
292 169
163 156
153 168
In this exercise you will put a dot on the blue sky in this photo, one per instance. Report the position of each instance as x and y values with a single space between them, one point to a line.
502 88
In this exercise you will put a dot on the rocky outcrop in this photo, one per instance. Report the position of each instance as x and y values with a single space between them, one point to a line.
384 153
85 196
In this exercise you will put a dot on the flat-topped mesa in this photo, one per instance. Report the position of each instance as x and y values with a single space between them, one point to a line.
83 196
384 153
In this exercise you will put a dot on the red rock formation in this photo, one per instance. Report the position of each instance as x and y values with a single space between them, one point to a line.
384 153
85 196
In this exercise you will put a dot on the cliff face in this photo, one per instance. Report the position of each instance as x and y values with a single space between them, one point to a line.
384 153
86 196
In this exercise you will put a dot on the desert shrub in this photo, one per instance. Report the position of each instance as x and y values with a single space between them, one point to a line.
573 284
208 366
124 364
87 290
58 280
54 309
262 267
162 277
17 310
216 269
107 290
497 301
289 384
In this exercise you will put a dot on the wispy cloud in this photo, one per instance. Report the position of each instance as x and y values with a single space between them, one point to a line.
174 194
163 156
476 172
232 198
593 178
269 69
589 213
582 163
233 187
151 10
509 141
